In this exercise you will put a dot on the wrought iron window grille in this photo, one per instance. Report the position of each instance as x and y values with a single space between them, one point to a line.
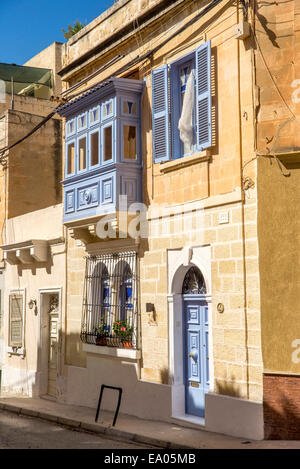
194 283
110 301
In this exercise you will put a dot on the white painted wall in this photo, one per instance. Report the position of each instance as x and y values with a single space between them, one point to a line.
22 375
139 398
43 224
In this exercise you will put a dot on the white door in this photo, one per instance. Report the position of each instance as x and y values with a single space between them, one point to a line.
195 342
53 351
196 355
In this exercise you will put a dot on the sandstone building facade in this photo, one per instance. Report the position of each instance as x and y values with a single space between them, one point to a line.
175 273
201 247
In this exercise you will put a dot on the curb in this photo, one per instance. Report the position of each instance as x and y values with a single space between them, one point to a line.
110 432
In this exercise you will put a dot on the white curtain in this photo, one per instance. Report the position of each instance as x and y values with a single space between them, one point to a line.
185 124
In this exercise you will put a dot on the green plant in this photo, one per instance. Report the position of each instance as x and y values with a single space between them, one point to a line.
77 26
102 329
122 329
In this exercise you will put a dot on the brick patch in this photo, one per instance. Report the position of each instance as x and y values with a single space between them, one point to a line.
281 407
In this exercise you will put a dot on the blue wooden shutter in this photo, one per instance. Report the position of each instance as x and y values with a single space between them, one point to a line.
160 114
203 96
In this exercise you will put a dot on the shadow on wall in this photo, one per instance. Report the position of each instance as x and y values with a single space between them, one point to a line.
227 388
35 266
165 377
282 418
79 381
35 166
271 35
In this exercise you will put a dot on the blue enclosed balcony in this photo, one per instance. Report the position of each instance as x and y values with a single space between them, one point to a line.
102 150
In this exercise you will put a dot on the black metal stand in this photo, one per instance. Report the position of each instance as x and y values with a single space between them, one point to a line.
100 399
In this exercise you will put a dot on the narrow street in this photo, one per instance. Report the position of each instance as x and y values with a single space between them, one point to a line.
20 432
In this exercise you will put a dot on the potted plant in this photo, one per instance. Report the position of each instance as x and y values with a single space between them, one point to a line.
101 332
123 330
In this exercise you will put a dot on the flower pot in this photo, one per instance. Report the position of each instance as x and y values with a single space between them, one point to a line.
127 344
101 341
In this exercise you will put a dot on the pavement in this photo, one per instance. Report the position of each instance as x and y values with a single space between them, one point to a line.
128 428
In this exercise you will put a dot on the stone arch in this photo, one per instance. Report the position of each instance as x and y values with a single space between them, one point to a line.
194 282
180 273
179 263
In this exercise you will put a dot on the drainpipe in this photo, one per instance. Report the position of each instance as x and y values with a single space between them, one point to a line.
243 200
12 95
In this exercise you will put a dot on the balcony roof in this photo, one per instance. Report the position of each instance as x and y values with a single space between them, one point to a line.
27 81
98 92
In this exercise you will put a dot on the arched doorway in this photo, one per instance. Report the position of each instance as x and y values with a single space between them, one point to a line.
195 341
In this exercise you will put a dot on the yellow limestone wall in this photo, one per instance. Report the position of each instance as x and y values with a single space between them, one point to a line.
49 58
278 130
216 184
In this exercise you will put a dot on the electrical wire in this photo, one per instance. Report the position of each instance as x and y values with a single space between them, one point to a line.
277 89
293 117
92 75
37 127
139 59
121 70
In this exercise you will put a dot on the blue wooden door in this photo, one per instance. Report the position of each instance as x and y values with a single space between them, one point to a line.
196 355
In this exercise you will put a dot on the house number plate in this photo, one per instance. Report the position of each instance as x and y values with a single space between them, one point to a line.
194 384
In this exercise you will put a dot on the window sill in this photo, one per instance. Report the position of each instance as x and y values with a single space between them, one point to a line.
184 161
132 354
16 351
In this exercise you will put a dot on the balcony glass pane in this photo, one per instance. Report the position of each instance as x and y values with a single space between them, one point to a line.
107 109
71 127
94 115
27 81
82 153
71 158
107 135
129 143
94 148
129 107
82 121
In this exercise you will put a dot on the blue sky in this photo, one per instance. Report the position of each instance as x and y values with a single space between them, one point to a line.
28 26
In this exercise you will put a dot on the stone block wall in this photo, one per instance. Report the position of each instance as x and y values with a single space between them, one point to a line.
213 185
236 333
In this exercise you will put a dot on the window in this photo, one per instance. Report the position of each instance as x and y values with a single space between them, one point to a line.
94 115
169 85
129 142
105 297
70 127
194 283
126 303
16 320
107 145
82 154
129 107
185 71
110 300
99 295
103 130
94 146
107 109
82 122
71 158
